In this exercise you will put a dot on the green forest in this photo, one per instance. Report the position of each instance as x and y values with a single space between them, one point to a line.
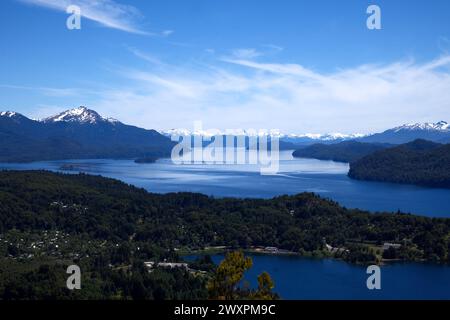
50 220
419 162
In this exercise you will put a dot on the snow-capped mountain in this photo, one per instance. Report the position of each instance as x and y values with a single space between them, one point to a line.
83 133
436 132
80 115
438 126
8 114
11 118
215 132
251 133
326 136
12 115
307 138
75 134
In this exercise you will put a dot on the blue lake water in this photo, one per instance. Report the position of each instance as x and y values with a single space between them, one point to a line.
295 277
308 278
327 178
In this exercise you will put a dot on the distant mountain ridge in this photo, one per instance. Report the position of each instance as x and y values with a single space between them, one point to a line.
352 150
436 132
76 133
260 133
286 141
440 126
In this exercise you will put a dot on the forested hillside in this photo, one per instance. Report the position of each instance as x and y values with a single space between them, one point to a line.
50 220
420 162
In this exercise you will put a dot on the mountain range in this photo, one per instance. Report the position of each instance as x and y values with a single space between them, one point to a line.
437 132
83 133
294 139
76 133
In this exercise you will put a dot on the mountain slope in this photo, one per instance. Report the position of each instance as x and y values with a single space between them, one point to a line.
76 133
347 151
419 162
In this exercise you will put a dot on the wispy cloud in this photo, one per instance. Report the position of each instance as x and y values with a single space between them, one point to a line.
47 91
283 69
274 47
106 12
145 56
167 33
244 93
246 53
291 97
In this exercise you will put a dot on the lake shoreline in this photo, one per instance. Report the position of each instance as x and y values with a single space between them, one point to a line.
307 278
325 178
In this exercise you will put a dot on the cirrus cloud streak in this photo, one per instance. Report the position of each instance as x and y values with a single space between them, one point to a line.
246 93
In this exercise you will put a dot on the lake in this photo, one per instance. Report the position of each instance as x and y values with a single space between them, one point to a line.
307 278
295 277
327 178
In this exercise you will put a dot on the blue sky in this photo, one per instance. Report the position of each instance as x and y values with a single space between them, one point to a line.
298 66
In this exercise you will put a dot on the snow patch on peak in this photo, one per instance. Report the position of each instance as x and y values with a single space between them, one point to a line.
328 136
262 133
80 115
111 120
8 114
438 126
215 132
443 125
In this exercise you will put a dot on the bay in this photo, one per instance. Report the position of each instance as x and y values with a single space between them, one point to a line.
323 279
295 277
326 178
